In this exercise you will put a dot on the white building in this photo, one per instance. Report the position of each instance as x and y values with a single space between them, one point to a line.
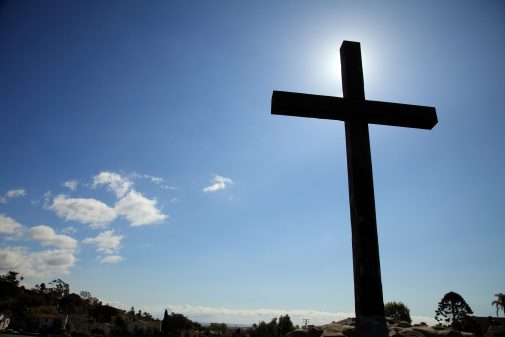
4 321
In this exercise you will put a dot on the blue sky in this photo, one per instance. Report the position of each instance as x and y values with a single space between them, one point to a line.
140 161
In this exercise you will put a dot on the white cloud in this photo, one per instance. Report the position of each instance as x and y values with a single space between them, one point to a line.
11 194
48 237
106 242
40 265
69 230
115 182
111 259
156 180
139 210
8 225
87 211
219 183
249 316
71 184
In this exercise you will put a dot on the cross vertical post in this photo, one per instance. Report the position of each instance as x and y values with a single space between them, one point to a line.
357 113
368 300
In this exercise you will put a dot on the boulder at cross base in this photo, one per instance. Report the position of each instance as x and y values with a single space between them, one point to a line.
347 328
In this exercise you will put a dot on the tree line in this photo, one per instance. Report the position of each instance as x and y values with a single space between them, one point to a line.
173 324
25 306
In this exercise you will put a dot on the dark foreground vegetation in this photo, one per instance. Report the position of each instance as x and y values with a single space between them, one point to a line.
52 310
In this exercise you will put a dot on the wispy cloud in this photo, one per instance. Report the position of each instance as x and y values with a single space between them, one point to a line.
219 183
115 182
155 180
71 184
111 259
11 194
8 225
69 230
39 265
106 242
47 237
249 316
88 211
139 210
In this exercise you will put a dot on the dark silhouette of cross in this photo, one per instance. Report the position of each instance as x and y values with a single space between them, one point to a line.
357 113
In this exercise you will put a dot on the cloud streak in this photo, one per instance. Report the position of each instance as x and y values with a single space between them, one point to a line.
111 259
11 194
219 183
71 184
8 225
250 316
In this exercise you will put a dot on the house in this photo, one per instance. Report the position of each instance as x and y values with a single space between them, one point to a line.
492 326
141 325
4 321
47 321
191 333
101 328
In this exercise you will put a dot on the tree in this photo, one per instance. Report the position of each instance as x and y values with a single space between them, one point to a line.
173 324
285 325
59 288
261 330
120 325
272 328
218 328
397 311
9 285
70 304
11 277
164 324
452 309
499 302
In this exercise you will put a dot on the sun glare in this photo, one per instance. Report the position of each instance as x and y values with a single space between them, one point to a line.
327 69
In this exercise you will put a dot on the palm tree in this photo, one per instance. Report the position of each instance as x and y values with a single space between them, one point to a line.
499 302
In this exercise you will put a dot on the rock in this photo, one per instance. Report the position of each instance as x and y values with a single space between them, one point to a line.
311 332
437 332
297 333
347 328
404 332
344 327
496 331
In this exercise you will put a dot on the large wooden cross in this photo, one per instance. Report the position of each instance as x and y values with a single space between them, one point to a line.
357 113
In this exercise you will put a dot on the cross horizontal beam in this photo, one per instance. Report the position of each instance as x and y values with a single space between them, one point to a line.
345 109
